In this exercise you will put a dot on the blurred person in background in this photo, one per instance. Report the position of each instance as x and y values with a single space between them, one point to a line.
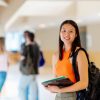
3 64
30 52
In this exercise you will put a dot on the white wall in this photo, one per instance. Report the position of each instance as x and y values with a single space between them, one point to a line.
87 8
48 38
93 32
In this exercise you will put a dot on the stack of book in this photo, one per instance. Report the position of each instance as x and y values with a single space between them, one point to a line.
59 81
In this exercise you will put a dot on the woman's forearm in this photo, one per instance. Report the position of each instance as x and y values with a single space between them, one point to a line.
75 87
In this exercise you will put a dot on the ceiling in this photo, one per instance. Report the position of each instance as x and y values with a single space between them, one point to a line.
44 8
39 14
3 3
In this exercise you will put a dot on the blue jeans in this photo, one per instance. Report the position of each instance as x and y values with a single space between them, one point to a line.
28 89
2 79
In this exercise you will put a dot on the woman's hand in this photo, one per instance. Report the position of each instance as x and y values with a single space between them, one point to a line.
54 89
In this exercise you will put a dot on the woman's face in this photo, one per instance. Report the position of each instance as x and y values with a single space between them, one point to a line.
67 33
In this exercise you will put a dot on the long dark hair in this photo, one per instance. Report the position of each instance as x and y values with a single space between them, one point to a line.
76 42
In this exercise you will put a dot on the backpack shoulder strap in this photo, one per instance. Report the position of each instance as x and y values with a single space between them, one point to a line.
75 68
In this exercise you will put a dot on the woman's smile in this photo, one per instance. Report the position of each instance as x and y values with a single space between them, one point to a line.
67 38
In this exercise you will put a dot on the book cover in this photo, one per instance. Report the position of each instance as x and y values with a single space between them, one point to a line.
59 81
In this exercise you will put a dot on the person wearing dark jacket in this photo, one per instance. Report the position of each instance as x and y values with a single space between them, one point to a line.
29 68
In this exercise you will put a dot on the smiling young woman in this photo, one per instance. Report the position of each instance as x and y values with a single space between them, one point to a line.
69 42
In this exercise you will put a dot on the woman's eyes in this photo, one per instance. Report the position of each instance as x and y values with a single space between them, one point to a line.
70 31
66 31
63 31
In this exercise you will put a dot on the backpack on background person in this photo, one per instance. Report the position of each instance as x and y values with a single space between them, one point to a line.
92 92
41 60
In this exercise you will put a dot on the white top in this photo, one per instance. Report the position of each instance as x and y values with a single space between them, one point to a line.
3 62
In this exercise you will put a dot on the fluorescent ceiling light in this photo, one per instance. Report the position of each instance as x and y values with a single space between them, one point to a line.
42 26
3 3
48 8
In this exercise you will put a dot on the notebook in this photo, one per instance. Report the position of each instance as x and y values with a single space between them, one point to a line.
59 81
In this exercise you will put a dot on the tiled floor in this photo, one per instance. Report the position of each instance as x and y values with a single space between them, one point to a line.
10 90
